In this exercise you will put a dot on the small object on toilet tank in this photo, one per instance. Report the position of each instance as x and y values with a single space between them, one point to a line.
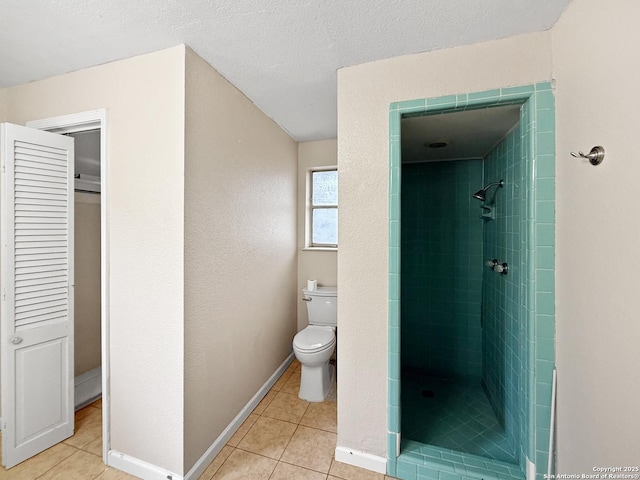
312 285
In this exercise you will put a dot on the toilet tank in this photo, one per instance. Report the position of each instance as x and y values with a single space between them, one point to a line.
322 305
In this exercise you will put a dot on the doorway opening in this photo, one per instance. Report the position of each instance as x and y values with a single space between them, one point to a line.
89 129
455 391
87 350
470 341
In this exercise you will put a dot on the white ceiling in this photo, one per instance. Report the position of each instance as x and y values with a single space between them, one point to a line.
468 134
283 54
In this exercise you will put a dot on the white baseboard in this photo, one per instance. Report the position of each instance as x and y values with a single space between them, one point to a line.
361 459
142 469
208 456
139 468
87 387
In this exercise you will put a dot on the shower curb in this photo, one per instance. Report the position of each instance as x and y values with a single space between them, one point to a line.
427 462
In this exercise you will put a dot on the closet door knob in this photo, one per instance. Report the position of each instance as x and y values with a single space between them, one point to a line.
16 340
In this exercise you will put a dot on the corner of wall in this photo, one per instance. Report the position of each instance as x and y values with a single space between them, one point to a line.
144 96
595 109
240 252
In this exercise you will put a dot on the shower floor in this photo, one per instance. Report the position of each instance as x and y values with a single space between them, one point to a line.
452 415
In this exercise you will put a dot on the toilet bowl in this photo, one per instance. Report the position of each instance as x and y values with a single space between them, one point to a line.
314 345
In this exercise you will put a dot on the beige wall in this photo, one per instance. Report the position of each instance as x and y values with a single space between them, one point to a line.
596 299
240 253
3 108
319 265
364 94
598 236
144 97
3 104
87 351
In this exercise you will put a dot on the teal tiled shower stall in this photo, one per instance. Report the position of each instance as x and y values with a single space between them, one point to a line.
441 273
454 319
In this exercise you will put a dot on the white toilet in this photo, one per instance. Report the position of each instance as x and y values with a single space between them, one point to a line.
314 345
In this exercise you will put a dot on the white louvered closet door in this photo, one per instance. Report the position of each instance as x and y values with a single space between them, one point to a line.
37 291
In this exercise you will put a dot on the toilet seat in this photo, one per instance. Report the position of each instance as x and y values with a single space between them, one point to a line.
314 339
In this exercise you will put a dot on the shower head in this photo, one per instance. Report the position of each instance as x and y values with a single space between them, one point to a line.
482 194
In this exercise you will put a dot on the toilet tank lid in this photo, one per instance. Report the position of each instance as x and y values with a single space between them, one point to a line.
322 291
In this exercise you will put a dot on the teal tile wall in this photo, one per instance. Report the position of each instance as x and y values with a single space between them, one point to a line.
538 128
504 328
441 269
542 275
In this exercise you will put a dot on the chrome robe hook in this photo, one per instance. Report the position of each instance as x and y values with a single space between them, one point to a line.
595 156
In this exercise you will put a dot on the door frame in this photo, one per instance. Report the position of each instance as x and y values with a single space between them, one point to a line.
539 310
78 122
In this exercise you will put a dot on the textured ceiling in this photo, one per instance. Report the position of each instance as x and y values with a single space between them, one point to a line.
283 54
468 134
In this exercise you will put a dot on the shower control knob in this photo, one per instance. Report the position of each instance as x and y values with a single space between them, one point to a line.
502 268
497 267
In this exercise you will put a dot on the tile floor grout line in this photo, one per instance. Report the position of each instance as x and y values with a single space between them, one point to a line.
233 449
66 458
288 442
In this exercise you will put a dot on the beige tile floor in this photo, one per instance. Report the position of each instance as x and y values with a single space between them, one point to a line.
284 438
77 458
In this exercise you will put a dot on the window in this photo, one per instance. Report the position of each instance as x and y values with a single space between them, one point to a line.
322 211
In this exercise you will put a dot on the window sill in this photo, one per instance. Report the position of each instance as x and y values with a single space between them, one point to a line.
320 249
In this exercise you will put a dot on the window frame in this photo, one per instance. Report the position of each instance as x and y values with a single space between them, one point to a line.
310 208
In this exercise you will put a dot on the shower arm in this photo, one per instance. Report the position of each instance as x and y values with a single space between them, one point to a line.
500 184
